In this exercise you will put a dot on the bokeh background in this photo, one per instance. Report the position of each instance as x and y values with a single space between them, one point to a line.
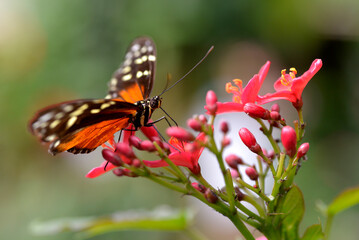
51 51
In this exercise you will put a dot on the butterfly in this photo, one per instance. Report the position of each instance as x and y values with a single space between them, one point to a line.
80 126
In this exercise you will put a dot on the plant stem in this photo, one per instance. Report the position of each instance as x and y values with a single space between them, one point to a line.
257 191
269 136
328 226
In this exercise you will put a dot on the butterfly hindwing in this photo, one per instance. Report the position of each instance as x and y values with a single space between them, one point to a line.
133 81
80 126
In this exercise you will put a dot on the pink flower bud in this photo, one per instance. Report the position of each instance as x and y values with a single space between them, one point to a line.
249 140
158 141
270 154
275 108
134 141
180 133
121 172
302 150
211 101
251 173
202 118
289 140
224 127
112 157
148 146
233 160
256 111
195 124
210 196
234 173
125 149
199 187
225 141
136 163
275 116
211 98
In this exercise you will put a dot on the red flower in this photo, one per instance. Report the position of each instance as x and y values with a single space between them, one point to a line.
241 96
150 132
290 87
187 156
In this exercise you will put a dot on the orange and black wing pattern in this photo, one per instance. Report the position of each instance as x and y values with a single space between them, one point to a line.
80 126
133 81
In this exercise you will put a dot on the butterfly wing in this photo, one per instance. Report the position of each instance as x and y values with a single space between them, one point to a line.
133 81
81 126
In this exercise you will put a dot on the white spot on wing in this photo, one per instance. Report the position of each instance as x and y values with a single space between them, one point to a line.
60 115
139 74
127 77
71 122
54 123
93 111
126 69
56 144
46 117
135 47
68 108
144 58
138 61
143 49
105 105
50 138
152 58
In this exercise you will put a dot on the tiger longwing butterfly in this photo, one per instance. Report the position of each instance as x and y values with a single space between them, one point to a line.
80 126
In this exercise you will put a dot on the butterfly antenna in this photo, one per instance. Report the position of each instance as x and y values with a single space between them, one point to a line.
200 61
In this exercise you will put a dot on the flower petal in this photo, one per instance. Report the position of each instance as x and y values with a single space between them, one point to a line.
229 107
97 171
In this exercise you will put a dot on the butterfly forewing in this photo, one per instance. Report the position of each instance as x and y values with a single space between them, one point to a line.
133 81
80 126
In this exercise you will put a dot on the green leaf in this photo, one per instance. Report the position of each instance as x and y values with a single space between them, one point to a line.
292 210
164 219
313 232
346 199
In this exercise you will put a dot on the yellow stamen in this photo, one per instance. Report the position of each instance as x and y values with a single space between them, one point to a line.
293 72
230 88
283 80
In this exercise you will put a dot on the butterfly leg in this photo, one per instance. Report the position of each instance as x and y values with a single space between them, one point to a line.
169 117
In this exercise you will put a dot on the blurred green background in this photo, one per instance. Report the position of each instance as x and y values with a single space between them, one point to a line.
51 51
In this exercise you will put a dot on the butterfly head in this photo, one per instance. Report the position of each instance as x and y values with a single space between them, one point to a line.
155 102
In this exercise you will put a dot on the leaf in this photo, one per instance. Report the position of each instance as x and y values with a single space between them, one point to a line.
292 209
313 232
164 219
346 199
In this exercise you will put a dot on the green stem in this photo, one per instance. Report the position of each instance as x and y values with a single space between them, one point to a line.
194 234
328 226
255 190
225 172
269 136
256 205
181 175
167 184
261 175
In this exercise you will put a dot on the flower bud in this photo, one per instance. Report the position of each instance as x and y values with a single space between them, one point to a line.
136 163
275 108
134 141
302 150
275 116
224 127
270 154
180 133
256 111
125 149
210 196
112 157
148 146
195 124
251 173
249 140
199 187
234 173
289 140
211 98
233 160
239 194
120 172
211 101
225 141
202 118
